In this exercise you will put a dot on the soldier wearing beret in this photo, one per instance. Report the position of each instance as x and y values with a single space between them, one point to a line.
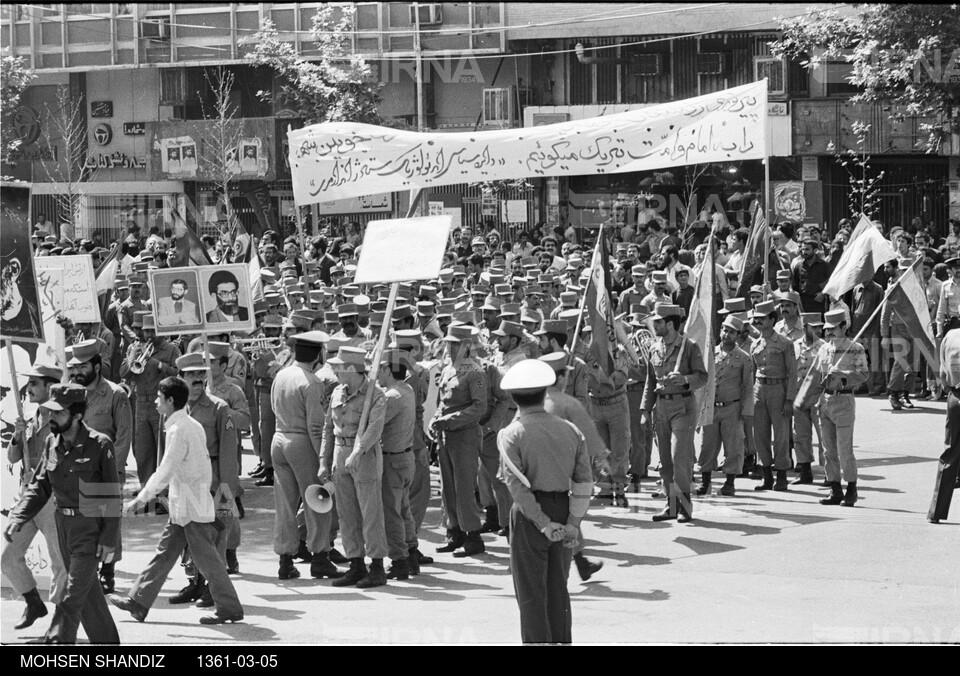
75 457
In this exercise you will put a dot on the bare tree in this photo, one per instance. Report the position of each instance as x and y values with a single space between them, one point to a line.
69 171
864 194
690 177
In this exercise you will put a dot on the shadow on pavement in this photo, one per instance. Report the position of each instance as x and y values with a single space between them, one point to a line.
600 590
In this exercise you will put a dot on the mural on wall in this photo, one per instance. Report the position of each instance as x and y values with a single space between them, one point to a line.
789 202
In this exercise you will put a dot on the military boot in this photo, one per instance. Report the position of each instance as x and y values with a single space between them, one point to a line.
107 579
190 593
233 566
729 487
905 399
806 474
894 400
668 512
376 577
455 540
620 496
767 480
836 495
704 487
266 479
685 509
358 571
472 545
413 561
321 566
492 522
303 554
399 570
585 567
850 499
287 571
782 483
34 611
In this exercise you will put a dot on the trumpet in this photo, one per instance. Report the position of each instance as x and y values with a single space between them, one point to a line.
257 346
140 363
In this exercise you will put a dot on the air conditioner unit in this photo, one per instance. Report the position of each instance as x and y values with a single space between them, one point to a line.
649 65
498 106
429 13
155 29
775 70
710 63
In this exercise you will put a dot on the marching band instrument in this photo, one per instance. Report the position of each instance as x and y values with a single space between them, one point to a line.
140 363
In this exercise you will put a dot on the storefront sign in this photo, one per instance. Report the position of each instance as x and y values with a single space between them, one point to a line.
357 205
103 134
35 154
101 109
133 128
115 161
778 109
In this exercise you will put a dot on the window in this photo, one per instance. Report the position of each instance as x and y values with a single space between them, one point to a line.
774 70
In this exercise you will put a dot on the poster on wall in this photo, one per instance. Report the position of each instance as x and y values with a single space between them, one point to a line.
788 201
178 157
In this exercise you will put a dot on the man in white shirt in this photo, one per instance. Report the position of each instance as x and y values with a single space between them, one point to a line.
186 468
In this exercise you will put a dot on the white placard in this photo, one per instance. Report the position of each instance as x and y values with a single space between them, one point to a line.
401 249
516 211
334 160
70 286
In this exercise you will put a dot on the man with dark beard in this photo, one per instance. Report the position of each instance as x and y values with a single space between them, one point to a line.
226 289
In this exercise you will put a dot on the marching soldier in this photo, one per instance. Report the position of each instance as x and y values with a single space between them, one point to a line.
806 419
87 525
265 367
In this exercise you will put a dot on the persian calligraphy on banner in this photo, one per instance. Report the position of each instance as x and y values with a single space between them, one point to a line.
336 160
68 284
398 249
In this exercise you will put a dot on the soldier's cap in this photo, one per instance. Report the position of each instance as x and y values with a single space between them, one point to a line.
284 265
574 288
547 278
446 275
445 310
734 323
552 326
298 320
218 350
534 290
402 312
426 308
529 318
62 396
756 288
463 317
428 291
138 317
509 309
509 329
743 316
763 309
260 307
478 240
192 361
528 377
334 343
834 318
783 274
272 298
410 335
377 317
637 308
659 277
733 305
395 357
84 351
568 299
492 303
787 297
121 284
310 266
316 295
495 278
558 361
458 333
811 318
140 267
639 319
289 282
346 247
664 310
480 290
640 269
362 301
273 321
350 358
350 291
310 338
41 370
331 317
503 289
570 316
136 279
146 258
347 310
621 246
953 262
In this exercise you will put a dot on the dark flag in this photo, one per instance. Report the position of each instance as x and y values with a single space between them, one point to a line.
753 253
189 250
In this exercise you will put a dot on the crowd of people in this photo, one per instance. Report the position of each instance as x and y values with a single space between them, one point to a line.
456 388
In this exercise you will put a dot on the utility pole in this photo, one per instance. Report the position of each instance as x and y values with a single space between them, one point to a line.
421 117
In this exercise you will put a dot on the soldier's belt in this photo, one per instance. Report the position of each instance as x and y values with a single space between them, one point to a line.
844 391
721 404
678 395
406 450
343 441
68 511
606 401
763 380
633 387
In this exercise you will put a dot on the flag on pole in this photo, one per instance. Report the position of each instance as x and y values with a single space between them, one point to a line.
753 253
105 277
599 308
866 251
699 329
188 249
256 281
917 314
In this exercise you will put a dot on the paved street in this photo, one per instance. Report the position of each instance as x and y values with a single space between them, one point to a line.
757 568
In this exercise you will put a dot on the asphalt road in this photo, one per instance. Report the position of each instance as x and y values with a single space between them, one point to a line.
756 568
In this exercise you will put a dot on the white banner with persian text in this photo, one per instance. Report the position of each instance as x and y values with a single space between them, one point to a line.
337 160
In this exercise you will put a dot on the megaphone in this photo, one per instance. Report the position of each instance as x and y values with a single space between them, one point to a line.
319 498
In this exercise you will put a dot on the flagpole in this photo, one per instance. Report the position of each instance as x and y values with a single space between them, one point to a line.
13 378
583 303
706 261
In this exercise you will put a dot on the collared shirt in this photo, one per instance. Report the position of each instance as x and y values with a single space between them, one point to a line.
30 448
792 332
235 399
734 378
614 384
463 394
663 361
949 303
806 355
842 364
809 278
573 411
399 419
343 420
549 451
221 440
186 468
774 357
66 472
631 297
950 359
108 412
297 400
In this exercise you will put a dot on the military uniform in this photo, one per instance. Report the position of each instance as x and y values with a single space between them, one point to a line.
399 466
419 380
733 402
948 467
610 410
84 522
805 419
500 411
775 384
837 404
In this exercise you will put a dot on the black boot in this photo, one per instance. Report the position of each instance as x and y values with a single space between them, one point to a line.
492 522
336 556
749 464
206 598
729 487
190 593
413 561
376 577
455 540
240 511
233 566
34 611
287 571
421 558
321 566
399 570
472 545
894 400
620 496
806 474
685 509
585 567
704 487
767 480
107 581
905 399
266 479
258 471
303 554
850 499
836 495
358 571
782 482
668 513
